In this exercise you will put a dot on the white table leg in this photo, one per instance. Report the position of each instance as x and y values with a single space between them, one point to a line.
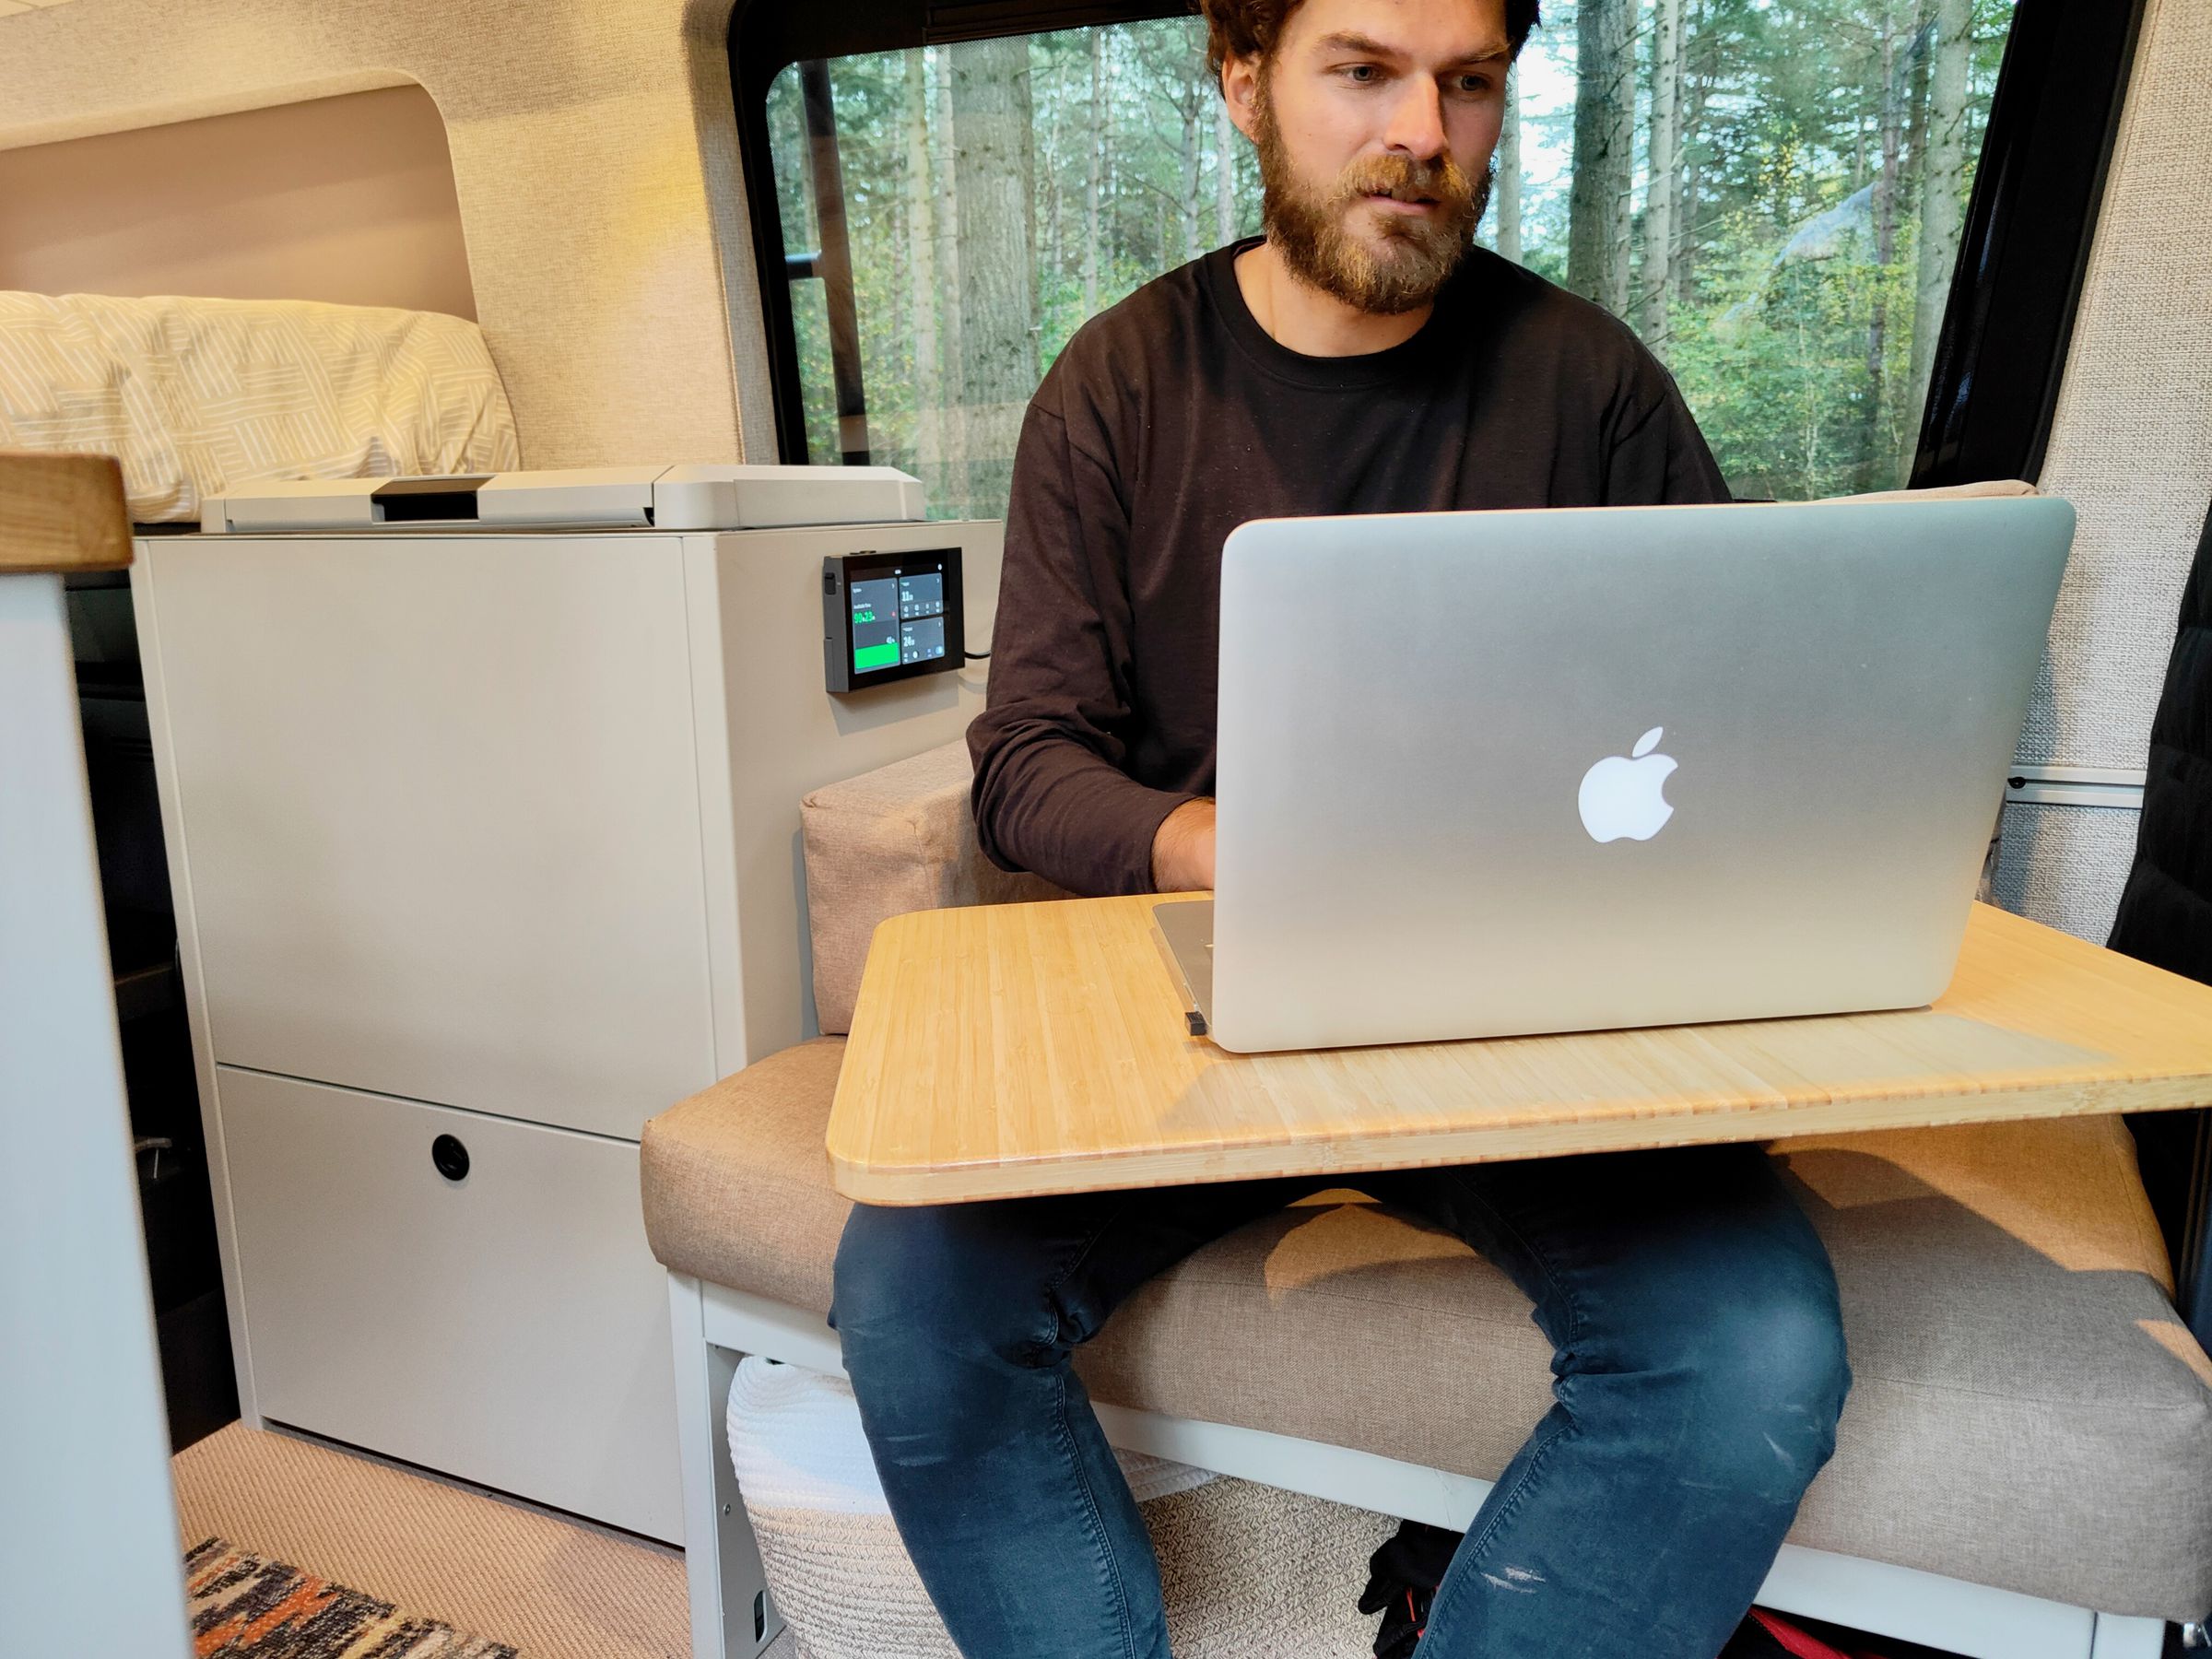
89 1555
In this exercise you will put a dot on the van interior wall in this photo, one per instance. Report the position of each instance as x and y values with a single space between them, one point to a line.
2130 447
594 162
348 200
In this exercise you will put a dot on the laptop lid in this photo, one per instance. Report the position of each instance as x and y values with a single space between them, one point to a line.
1487 773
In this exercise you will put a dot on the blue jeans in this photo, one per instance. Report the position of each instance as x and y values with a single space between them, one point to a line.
1699 1371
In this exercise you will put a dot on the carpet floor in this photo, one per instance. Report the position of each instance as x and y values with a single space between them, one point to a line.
547 1586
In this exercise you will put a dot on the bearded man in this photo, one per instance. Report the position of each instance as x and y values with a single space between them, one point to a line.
1360 358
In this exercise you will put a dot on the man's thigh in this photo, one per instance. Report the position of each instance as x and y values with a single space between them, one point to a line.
1049 1270
1609 1243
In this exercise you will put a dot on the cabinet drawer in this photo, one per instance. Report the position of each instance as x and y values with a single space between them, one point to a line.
438 803
510 1328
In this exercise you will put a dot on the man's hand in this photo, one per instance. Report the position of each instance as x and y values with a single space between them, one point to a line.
1182 850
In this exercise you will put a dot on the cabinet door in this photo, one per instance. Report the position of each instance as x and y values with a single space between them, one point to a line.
509 1328
438 812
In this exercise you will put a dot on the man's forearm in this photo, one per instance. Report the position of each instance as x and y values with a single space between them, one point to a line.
1052 806
1182 849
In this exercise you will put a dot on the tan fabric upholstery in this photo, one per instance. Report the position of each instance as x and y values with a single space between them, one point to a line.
736 1184
2130 447
895 840
2027 1411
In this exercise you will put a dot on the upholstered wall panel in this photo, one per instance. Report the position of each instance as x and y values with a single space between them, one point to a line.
582 136
347 200
2132 449
2064 866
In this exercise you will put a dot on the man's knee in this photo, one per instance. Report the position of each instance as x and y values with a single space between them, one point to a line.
1739 1380
1767 1379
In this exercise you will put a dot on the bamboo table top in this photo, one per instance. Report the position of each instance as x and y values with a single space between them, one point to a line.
1003 1050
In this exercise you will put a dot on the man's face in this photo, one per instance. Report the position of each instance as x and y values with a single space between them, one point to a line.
1375 121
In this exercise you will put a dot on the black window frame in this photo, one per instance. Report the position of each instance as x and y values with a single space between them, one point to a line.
767 36
2024 248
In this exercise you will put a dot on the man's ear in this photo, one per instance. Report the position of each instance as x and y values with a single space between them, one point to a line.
1240 87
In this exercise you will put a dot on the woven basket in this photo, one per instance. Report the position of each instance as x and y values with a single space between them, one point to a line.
1250 1571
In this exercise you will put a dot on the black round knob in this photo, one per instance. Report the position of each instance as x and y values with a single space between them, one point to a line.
451 1157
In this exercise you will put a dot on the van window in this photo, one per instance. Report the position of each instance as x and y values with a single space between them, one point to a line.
1770 192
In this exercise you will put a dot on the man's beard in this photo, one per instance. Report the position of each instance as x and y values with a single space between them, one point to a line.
1307 222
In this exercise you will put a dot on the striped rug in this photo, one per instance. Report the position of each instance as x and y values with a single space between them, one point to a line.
243 1607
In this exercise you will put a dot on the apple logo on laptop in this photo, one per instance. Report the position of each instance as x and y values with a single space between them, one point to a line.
1622 795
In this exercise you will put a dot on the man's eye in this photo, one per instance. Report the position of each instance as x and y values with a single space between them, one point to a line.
1473 85
1361 74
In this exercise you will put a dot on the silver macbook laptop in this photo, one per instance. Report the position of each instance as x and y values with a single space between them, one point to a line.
1487 773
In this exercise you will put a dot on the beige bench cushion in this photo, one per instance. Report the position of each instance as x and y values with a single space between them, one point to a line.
2027 1411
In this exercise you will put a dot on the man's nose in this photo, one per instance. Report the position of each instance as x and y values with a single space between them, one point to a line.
1417 120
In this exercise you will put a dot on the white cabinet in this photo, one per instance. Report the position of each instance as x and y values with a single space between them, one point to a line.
497 831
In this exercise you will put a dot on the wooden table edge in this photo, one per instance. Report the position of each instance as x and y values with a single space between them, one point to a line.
1348 1157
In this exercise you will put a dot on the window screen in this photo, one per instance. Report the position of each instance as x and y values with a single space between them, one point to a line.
1772 194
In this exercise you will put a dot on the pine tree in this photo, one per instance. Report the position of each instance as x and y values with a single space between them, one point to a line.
1094 170
921 263
1942 193
1657 281
1605 143
951 398
1509 174
994 167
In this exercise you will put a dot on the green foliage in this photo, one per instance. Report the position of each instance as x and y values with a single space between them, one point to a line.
1792 288
1782 388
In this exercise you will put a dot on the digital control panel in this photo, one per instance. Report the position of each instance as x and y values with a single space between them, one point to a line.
890 615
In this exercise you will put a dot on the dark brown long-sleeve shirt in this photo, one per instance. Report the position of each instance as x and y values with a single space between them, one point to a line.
1173 418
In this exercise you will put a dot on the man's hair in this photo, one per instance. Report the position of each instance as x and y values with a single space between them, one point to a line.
1251 27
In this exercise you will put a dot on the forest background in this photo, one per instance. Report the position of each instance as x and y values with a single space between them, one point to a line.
1770 192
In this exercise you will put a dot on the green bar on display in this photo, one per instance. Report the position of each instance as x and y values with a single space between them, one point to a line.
866 657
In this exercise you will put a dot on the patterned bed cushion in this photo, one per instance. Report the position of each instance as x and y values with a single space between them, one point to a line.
200 397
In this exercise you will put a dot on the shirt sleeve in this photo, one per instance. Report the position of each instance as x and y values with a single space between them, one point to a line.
1659 457
1049 793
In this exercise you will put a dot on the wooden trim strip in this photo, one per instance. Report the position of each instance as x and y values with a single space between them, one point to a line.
61 512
